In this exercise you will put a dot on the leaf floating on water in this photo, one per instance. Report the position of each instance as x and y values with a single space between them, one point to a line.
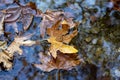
55 46
62 61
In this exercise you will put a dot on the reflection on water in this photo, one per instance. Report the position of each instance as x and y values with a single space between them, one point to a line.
98 42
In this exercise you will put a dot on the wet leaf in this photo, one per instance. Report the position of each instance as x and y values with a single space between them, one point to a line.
22 14
6 2
12 14
1 25
61 31
62 61
18 41
51 17
5 59
26 20
55 46
3 45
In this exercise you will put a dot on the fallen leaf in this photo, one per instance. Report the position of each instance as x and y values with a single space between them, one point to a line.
51 17
26 20
68 38
12 14
3 45
22 14
61 31
55 46
6 52
18 41
5 59
1 25
62 61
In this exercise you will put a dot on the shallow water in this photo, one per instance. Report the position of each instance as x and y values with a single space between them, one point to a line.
98 42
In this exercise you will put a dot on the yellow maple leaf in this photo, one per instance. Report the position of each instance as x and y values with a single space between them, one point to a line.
55 46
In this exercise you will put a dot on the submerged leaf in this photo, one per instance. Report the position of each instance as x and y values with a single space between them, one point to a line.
18 41
26 20
3 45
1 25
5 58
17 14
62 61
51 17
12 14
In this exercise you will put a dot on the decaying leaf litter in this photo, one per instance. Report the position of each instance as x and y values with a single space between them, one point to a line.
57 25
96 37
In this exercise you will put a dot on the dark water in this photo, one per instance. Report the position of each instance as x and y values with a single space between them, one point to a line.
98 42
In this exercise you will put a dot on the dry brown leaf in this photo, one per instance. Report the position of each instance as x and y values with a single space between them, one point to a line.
18 41
51 17
55 46
62 61
62 34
